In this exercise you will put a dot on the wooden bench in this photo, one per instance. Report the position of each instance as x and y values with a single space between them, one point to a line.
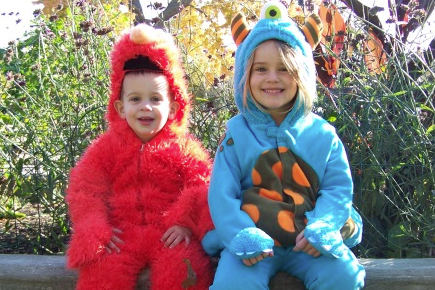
25 272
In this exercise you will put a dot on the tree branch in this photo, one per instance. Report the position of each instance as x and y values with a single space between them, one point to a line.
136 8
174 7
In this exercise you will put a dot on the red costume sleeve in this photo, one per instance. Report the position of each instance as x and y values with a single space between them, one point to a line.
87 188
191 208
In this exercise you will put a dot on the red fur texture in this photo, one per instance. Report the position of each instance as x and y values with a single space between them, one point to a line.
142 189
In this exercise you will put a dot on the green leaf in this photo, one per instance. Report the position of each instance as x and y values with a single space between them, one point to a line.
426 108
400 93
332 117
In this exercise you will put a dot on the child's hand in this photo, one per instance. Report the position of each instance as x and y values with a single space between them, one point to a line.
175 235
252 261
111 246
302 244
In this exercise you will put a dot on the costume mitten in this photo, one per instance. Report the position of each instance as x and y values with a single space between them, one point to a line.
250 242
327 241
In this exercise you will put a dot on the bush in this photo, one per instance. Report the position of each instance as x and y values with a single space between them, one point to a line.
52 105
386 121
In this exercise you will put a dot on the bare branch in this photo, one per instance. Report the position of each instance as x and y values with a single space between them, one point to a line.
136 8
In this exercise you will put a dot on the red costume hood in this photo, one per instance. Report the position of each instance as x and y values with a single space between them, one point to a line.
159 47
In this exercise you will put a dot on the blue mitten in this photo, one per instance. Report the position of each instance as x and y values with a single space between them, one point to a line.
326 241
250 242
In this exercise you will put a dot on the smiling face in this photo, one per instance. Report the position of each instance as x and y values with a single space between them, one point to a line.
146 103
270 83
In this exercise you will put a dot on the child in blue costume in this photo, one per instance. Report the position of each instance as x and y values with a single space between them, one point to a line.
280 194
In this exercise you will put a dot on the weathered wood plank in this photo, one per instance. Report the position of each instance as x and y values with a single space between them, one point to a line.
399 274
33 272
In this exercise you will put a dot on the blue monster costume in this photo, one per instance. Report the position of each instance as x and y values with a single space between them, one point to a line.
271 182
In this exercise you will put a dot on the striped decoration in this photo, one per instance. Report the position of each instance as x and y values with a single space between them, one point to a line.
312 29
239 28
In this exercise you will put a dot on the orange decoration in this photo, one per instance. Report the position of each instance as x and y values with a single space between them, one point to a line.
252 211
270 194
299 176
285 221
277 169
297 198
256 177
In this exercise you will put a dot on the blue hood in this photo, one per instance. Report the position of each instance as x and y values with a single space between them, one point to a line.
287 31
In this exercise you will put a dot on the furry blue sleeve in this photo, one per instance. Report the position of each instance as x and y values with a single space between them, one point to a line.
333 206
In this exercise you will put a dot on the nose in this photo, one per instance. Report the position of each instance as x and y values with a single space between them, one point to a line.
146 106
272 76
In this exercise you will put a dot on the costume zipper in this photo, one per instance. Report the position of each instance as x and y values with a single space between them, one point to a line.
139 195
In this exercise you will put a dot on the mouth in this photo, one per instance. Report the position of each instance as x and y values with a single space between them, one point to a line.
145 120
273 91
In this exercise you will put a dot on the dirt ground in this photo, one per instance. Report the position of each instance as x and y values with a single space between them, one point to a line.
31 234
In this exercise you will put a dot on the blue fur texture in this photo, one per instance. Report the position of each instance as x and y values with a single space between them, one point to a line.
325 240
250 242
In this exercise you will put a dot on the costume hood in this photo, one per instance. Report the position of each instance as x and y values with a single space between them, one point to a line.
274 23
153 49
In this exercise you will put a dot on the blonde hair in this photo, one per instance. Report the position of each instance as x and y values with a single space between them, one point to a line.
294 61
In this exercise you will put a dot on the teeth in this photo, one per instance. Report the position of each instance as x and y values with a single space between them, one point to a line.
272 91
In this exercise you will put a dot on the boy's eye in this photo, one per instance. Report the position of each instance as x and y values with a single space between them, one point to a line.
155 99
134 99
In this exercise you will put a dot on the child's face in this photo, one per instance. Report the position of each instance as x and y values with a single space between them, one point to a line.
146 103
270 82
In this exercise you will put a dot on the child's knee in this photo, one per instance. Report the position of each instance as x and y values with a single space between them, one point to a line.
345 273
232 274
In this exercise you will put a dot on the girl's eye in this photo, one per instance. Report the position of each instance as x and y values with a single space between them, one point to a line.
260 69
283 69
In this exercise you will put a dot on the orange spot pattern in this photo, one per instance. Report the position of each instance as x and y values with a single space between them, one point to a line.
297 198
285 220
270 194
284 188
256 177
299 176
277 169
282 149
252 211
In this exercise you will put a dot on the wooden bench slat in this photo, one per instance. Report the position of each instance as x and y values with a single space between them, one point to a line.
38 272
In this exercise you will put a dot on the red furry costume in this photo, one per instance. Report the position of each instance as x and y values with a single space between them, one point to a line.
141 188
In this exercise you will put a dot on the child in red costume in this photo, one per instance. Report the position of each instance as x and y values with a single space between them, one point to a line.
137 197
